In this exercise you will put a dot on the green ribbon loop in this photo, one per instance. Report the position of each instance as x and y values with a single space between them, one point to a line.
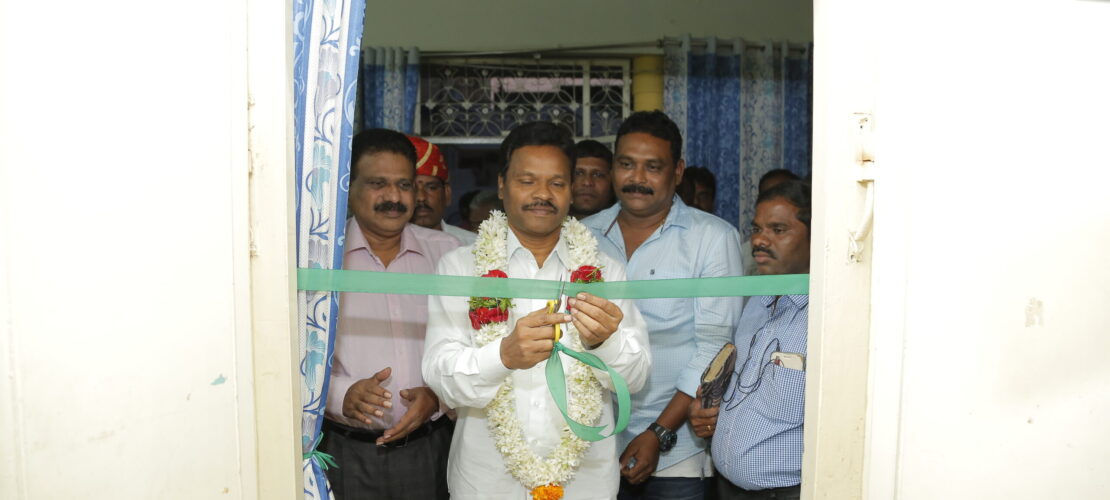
322 460
340 280
557 386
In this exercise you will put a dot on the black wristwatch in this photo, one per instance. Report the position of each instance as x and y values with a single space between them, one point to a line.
667 437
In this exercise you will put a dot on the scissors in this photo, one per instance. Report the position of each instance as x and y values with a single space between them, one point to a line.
556 304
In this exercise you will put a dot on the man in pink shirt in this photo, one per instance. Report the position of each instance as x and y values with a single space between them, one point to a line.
383 425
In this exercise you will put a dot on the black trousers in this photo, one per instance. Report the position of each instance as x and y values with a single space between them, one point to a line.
416 469
728 491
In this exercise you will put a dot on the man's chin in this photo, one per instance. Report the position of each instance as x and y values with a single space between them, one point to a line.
428 222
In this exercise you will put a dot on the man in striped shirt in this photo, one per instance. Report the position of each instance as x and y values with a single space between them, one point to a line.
757 430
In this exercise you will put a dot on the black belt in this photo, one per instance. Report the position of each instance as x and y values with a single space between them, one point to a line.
372 436
771 493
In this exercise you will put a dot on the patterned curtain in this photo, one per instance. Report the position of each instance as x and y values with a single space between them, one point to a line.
390 79
326 37
742 111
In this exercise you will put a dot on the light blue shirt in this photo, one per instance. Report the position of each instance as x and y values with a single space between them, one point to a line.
758 440
685 333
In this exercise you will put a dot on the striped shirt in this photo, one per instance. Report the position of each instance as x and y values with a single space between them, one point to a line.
758 441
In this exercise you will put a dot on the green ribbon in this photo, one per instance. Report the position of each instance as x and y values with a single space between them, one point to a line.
322 459
336 280
557 386
341 280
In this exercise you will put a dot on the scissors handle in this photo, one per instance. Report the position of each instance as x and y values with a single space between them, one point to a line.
551 305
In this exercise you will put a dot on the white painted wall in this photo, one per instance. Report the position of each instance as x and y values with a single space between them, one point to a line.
124 291
988 337
439 25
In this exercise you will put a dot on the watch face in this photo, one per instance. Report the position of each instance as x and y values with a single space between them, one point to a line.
669 441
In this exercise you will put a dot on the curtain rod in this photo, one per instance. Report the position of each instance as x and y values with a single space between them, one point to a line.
655 44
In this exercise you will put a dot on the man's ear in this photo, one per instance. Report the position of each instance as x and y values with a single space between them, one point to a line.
447 191
679 169
501 187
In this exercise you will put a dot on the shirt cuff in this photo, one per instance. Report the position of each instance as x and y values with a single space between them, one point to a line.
610 349
688 382
490 367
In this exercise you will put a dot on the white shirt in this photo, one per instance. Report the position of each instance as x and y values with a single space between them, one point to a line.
467 377
466 237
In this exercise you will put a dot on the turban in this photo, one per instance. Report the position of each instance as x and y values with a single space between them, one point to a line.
429 161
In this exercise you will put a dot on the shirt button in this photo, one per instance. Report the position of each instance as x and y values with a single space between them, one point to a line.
536 404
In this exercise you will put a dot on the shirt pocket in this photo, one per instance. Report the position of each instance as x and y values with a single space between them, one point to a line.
782 397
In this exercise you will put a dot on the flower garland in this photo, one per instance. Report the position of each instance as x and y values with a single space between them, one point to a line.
490 317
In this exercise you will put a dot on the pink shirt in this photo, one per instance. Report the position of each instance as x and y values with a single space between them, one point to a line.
378 330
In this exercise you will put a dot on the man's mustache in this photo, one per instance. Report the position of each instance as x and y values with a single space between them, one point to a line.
762 249
421 206
637 188
539 204
390 206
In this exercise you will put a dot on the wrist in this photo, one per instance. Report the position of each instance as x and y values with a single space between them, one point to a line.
503 355
667 437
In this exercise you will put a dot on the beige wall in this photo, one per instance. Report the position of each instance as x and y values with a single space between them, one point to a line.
437 25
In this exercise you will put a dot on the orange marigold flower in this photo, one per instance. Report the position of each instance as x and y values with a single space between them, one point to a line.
547 492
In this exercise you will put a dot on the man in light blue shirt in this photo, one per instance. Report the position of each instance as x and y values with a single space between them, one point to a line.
659 237
757 431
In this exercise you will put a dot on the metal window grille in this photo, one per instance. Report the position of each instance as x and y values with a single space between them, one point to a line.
478 101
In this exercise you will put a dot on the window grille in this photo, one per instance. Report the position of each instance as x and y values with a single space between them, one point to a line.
478 101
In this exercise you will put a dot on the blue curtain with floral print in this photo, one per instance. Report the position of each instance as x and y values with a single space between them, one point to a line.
390 80
327 35
743 109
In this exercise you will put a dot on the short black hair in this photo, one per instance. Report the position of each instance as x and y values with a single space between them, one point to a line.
797 193
537 134
700 175
656 124
590 148
778 172
379 140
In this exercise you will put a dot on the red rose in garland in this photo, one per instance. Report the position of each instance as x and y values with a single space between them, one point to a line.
586 274
486 310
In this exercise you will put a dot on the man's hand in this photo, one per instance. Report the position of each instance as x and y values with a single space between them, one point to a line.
645 449
423 403
532 339
366 398
595 318
703 420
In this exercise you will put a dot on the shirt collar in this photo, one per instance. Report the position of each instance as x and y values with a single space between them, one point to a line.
355 240
679 215
799 301
561 251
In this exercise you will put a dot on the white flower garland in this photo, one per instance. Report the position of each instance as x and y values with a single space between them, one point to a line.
584 391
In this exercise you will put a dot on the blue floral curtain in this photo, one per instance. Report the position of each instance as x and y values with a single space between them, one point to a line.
327 35
390 79
743 110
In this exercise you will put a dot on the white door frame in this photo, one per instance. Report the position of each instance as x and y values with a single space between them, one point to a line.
277 396
844 87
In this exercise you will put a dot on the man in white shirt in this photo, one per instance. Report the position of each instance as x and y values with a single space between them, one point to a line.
433 191
467 374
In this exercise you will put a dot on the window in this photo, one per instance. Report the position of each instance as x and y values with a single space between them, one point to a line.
478 101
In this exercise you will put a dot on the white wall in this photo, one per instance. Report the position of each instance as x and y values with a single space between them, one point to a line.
1004 170
124 297
988 338
438 25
